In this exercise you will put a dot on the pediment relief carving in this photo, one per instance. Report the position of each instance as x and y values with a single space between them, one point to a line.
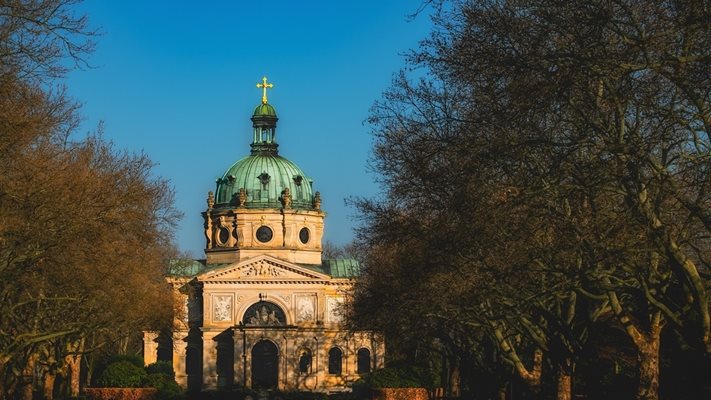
266 269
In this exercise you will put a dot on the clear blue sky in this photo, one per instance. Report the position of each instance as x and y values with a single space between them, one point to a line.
177 81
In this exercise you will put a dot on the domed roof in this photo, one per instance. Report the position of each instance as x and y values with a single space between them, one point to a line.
264 178
265 110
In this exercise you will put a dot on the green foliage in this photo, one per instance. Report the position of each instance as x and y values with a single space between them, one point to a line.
396 377
301 396
161 367
122 374
134 359
167 388
343 396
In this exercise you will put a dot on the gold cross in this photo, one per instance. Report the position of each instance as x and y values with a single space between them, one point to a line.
264 86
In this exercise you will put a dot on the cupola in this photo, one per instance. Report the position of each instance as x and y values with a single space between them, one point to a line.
264 203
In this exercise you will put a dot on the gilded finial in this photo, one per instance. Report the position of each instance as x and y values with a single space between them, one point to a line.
264 86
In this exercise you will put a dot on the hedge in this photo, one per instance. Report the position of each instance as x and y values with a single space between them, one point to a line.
120 393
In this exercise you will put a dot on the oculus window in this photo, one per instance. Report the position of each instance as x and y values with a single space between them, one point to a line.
264 234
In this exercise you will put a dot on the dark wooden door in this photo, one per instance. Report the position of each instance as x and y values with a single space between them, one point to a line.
265 365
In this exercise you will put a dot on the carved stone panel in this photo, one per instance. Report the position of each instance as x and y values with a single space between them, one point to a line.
222 306
262 269
333 309
305 307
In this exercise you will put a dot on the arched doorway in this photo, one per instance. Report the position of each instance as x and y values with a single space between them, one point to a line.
265 365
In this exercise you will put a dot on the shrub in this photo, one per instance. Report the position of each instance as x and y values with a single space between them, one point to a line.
161 367
132 358
167 388
107 360
343 396
302 396
122 374
395 377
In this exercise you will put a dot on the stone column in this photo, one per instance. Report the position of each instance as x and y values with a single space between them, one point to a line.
150 347
209 359
180 348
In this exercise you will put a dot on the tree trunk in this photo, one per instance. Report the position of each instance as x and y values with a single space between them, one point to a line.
565 380
647 344
533 377
89 361
74 364
89 373
2 381
48 390
454 377
648 358
25 385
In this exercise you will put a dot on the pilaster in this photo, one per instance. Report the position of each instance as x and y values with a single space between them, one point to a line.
150 347
240 362
209 359
180 347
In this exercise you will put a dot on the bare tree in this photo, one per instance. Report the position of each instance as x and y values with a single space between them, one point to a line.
556 152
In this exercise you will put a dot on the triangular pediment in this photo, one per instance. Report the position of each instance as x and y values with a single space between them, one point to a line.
262 268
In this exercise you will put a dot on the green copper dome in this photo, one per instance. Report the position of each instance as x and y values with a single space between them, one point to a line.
264 178
265 110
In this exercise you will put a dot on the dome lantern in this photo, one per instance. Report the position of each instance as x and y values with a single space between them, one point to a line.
264 120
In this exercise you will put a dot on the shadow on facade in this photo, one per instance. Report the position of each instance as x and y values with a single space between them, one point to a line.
165 347
225 359
193 360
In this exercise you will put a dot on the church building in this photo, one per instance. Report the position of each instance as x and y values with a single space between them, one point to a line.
263 309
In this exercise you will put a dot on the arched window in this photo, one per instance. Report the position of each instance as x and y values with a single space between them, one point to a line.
305 361
363 361
335 359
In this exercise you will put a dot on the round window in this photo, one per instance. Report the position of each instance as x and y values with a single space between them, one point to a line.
304 235
264 234
223 236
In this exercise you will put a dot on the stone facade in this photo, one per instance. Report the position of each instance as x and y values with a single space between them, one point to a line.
222 325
